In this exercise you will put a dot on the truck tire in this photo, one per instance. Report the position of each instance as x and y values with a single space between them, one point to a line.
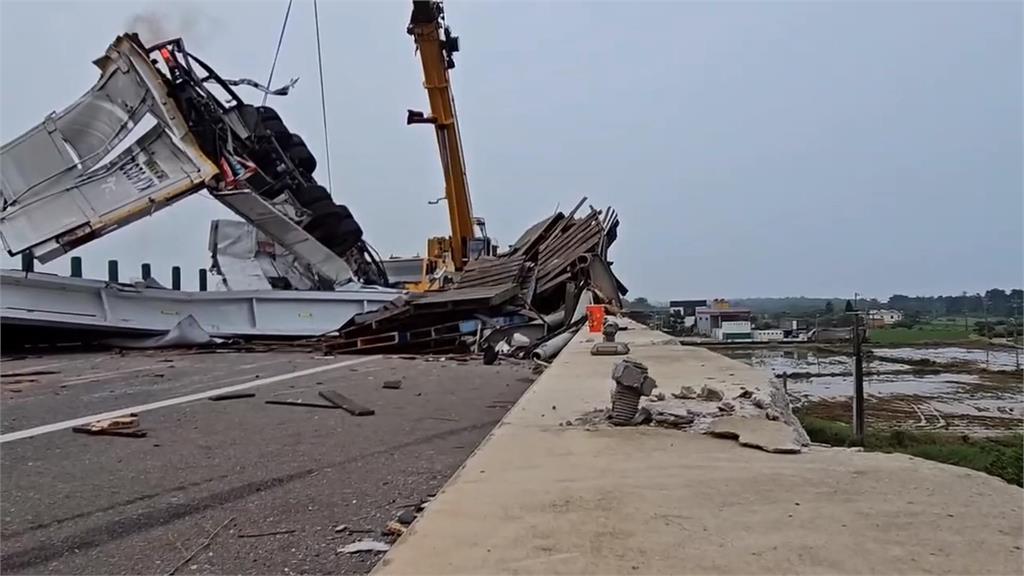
314 194
300 155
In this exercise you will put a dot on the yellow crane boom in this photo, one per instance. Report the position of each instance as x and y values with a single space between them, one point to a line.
436 46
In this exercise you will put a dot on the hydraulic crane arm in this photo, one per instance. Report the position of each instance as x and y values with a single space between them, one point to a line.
436 46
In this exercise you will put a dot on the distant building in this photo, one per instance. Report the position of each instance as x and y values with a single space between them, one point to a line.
687 309
724 323
878 318
770 335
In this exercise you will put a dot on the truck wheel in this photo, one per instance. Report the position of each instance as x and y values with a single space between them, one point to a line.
314 194
300 154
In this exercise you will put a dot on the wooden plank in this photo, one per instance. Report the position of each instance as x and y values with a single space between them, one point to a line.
345 403
300 404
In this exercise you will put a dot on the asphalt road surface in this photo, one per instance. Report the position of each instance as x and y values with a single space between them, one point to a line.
73 503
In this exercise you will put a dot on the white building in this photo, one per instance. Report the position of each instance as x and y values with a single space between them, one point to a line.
884 317
772 335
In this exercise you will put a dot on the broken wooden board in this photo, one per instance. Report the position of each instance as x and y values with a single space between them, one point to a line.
345 403
122 426
300 404
115 432
232 396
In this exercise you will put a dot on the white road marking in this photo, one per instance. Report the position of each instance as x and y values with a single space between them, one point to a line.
174 401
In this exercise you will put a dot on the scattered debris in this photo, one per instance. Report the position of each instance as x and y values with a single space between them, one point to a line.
407 516
657 396
271 533
673 418
391 384
727 406
505 305
365 546
187 332
300 404
685 393
202 545
345 403
127 426
232 396
340 528
710 393
394 528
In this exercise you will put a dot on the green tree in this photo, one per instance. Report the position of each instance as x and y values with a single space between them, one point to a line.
829 308
849 306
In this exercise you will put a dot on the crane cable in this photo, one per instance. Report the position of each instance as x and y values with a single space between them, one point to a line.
323 98
277 52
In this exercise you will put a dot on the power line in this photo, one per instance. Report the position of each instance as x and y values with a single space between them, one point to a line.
277 52
323 97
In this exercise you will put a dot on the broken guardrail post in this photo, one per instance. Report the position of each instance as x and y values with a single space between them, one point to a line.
28 263
202 279
631 382
147 271
76 266
175 277
111 270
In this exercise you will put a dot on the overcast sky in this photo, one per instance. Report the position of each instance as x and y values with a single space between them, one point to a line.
751 149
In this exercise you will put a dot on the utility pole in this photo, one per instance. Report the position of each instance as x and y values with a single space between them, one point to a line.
1012 329
858 381
988 331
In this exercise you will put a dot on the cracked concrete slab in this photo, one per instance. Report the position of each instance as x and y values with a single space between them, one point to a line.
768 435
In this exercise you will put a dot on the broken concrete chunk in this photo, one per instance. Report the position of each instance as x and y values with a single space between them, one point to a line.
685 393
772 414
657 396
391 384
643 416
629 372
406 517
710 393
761 401
727 406
757 433
676 418
647 385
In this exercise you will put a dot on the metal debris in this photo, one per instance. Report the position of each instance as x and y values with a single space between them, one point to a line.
514 304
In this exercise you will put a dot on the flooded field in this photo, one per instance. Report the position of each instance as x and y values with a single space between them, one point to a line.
923 388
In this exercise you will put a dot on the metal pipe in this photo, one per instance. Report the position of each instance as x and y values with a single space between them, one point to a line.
111 270
28 263
551 348
175 277
147 271
202 279
76 266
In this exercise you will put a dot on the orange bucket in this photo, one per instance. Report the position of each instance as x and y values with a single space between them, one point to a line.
595 317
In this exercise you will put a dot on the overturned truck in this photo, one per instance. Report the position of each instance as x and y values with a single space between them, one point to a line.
78 175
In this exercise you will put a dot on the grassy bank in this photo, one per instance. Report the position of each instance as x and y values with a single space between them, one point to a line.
1001 456
918 334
